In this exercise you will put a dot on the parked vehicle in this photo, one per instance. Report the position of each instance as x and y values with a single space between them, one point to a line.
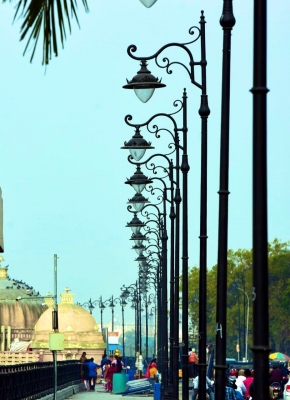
277 390
286 393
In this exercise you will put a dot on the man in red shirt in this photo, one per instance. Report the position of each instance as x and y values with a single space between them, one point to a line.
193 361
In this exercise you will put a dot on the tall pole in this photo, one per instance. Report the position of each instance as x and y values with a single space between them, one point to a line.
175 355
55 326
260 212
123 328
204 112
227 21
112 319
146 327
102 320
184 170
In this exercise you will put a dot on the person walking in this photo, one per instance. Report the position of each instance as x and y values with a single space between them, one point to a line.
193 361
86 375
104 361
92 366
247 382
82 360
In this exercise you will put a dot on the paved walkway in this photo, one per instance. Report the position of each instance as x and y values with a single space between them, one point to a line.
101 394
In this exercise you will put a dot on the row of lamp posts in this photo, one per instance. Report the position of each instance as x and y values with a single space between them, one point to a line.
174 192
144 85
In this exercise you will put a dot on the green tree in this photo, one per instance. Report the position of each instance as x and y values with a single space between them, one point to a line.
49 18
240 282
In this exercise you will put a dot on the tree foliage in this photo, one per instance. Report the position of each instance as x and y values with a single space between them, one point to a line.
49 18
239 283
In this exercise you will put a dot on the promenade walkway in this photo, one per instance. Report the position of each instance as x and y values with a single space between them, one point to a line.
101 394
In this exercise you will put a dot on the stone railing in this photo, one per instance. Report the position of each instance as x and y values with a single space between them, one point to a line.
8 357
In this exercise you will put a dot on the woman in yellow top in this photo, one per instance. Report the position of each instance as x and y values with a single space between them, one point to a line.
153 370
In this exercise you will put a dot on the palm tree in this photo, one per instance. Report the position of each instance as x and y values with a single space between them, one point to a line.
52 18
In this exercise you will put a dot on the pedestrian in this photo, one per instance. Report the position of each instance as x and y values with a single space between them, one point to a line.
86 375
83 357
82 360
209 388
230 389
247 382
276 375
153 371
109 375
193 361
147 373
104 361
92 366
239 383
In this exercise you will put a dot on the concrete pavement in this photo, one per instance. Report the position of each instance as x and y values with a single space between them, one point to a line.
101 394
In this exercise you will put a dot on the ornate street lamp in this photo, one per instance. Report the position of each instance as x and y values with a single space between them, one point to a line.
174 217
137 145
91 306
138 181
132 294
144 83
204 111
138 201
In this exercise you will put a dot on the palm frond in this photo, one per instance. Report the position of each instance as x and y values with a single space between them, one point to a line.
48 18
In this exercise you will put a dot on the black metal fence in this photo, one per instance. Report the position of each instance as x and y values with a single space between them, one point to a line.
35 380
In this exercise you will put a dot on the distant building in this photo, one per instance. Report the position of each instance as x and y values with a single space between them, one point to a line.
81 331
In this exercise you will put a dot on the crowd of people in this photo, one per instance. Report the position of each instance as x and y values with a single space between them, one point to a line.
240 383
109 366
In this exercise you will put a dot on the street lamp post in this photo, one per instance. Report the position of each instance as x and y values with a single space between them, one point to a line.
54 322
227 21
137 146
247 324
145 82
147 301
91 305
153 313
131 293
260 346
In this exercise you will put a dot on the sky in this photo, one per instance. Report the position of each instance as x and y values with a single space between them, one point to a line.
62 172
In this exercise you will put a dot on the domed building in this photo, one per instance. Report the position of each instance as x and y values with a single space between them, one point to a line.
81 331
17 318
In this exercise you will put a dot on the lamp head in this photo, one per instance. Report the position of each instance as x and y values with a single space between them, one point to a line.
144 83
138 180
138 201
135 224
137 145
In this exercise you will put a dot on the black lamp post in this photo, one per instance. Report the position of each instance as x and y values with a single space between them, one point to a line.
123 303
112 302
145 81
91 305
137 146
131 293
153 314
147 301
260 346
227 22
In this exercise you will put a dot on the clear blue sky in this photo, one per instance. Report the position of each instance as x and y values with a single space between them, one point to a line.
62 170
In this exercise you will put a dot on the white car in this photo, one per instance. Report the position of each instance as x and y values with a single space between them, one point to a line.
286 393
